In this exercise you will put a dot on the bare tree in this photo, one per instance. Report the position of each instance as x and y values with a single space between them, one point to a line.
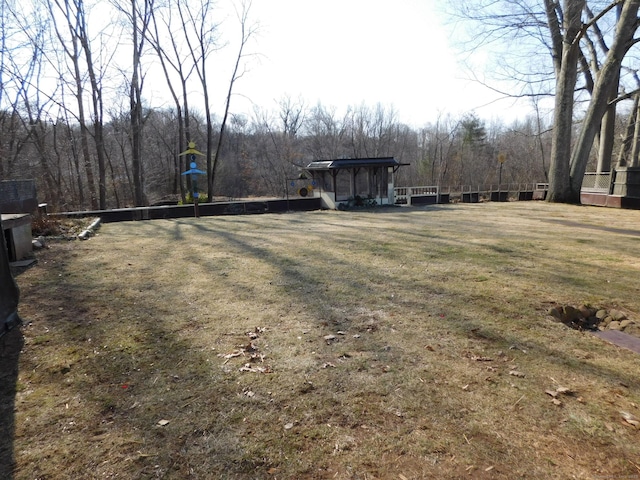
280 153
203 43
81 55
572 34
247 31
564 27
605 87
201 37
72 47
325 133
23 35
371 130
172 57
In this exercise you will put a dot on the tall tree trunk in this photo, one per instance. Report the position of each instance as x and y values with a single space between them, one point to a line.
96 99
606 82
84 144
98 126
182 116
76 163
74 15
135 102
559 178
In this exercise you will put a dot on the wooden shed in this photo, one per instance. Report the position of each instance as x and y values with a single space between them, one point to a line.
354 181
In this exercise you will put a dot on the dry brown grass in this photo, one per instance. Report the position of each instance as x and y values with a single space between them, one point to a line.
433 311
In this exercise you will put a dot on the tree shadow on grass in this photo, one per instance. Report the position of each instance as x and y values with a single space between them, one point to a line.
460 323
10 348
118 364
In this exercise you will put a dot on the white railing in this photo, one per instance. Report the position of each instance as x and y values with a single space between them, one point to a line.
403 195
596 182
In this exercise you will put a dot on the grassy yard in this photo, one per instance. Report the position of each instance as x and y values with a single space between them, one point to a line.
396 343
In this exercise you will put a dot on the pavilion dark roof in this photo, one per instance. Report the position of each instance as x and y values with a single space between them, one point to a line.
353 163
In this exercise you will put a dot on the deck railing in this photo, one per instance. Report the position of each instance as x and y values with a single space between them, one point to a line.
403 195
596 182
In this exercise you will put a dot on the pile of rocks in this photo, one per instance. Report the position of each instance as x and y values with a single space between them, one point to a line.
586 317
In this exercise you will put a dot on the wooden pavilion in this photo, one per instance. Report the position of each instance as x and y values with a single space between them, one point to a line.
350 182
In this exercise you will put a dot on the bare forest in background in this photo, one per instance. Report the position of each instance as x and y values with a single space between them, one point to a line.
261 155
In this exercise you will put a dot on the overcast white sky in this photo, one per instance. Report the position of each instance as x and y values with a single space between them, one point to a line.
349 52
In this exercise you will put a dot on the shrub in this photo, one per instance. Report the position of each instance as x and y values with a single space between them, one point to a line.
43 225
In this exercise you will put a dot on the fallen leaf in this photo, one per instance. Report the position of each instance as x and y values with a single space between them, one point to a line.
556 402
553 393
564 391
248 368
328 364
256 356
249 394
163 422
235 353
288 426
516 373
630 419
481 359
146 455
340 332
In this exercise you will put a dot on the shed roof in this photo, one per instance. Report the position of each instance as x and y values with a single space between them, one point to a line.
353 163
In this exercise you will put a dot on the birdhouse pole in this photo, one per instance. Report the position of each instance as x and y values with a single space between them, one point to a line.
501 158
193 172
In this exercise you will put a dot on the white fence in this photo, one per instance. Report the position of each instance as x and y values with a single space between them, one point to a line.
433 194
403 195
596 182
